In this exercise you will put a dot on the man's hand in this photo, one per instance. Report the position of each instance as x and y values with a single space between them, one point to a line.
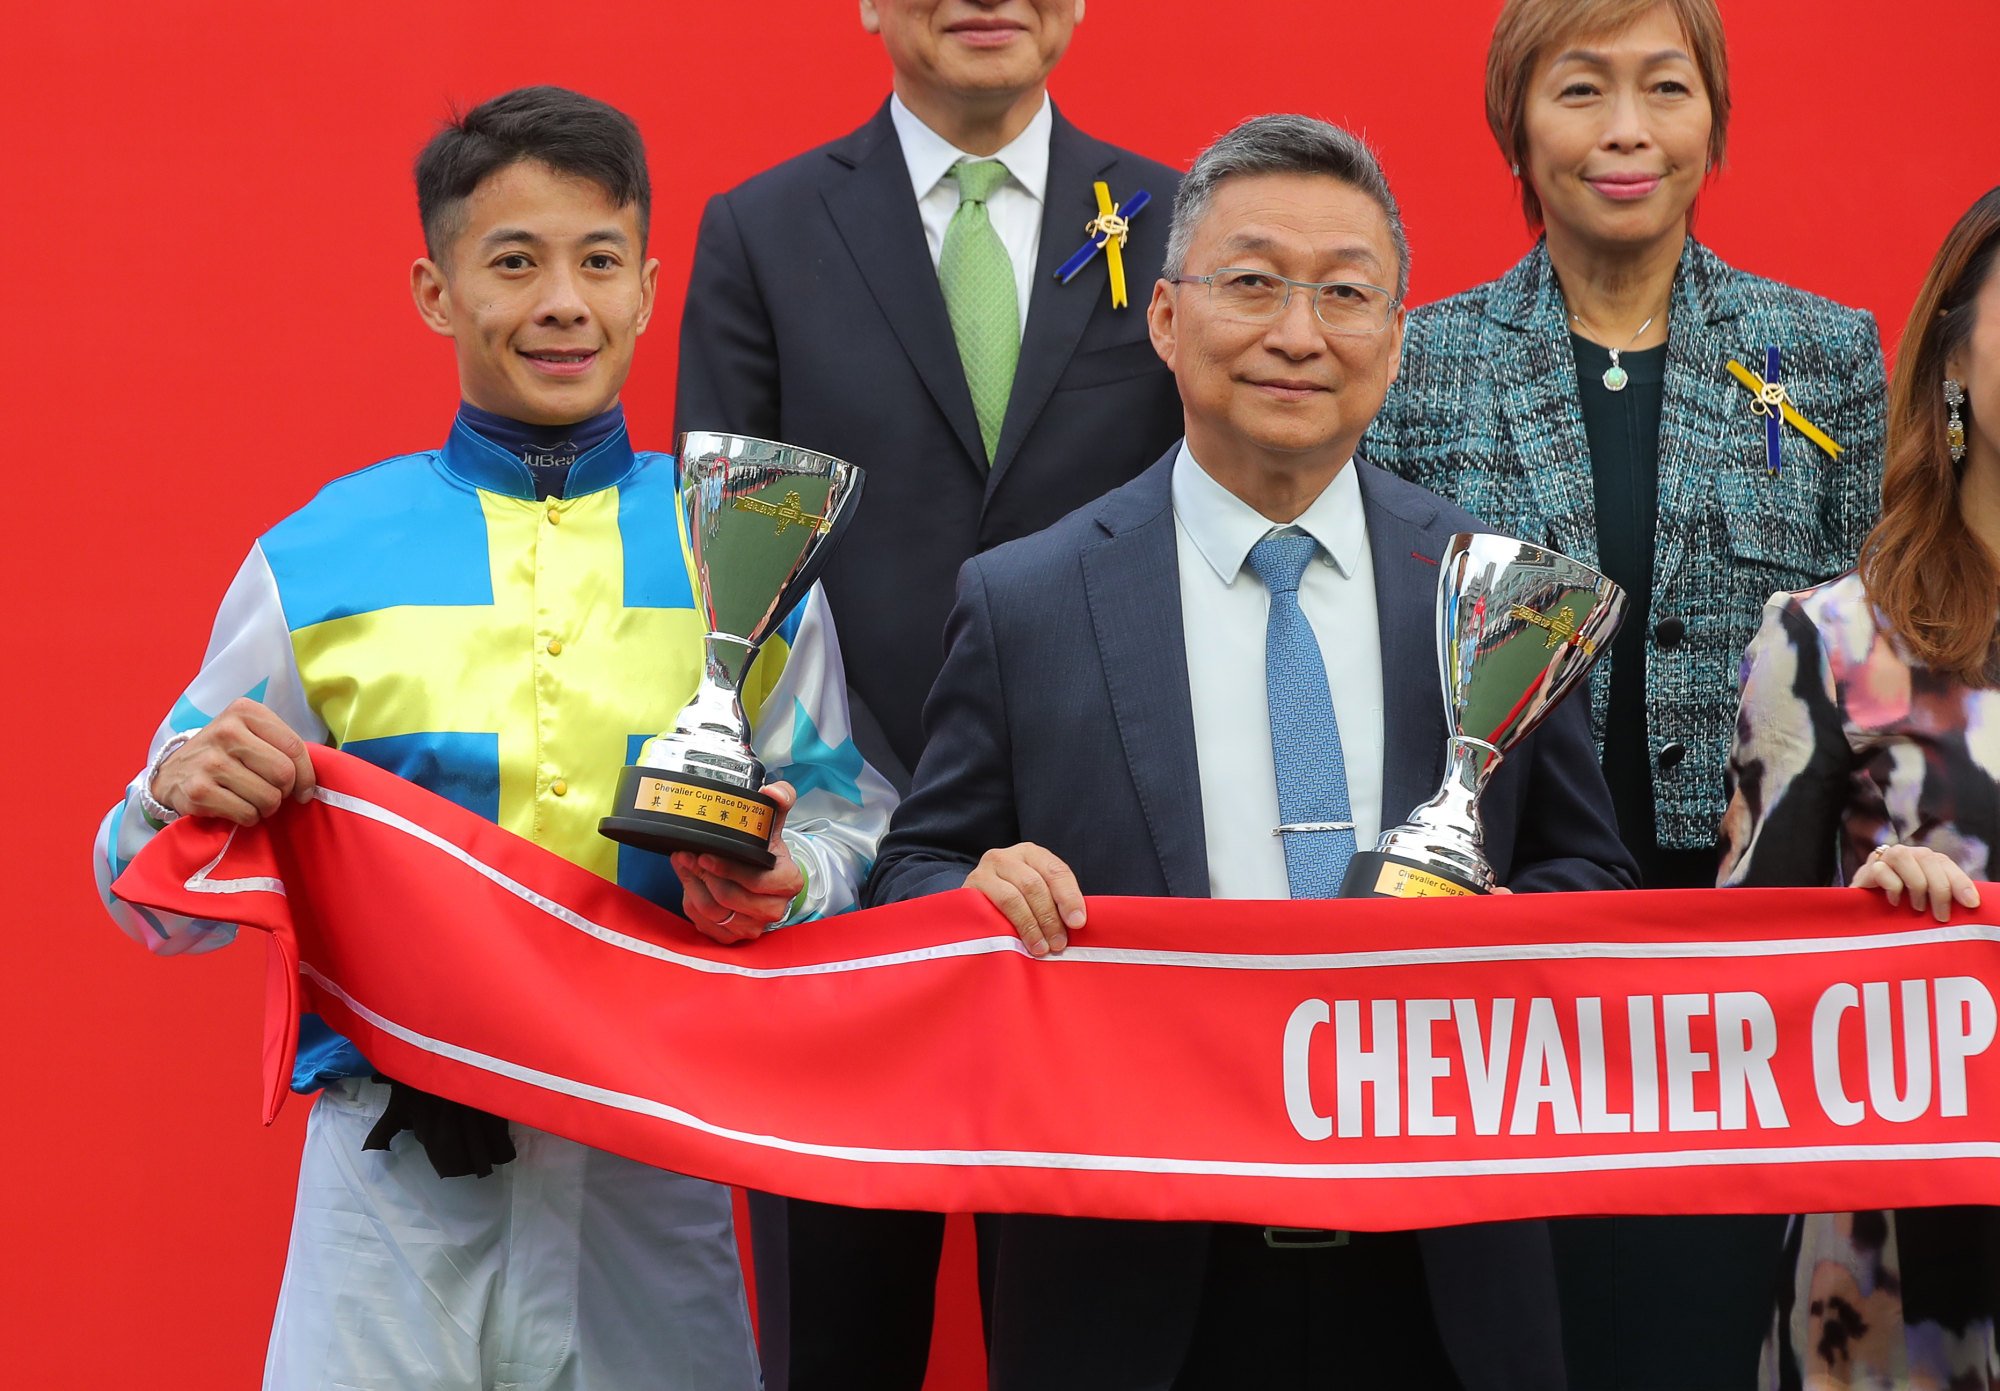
240 767
1036 891
734 902
1929 877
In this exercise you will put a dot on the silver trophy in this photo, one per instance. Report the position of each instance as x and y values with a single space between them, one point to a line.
760 520
1519 627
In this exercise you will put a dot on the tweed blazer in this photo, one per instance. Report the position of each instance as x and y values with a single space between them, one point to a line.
1486 412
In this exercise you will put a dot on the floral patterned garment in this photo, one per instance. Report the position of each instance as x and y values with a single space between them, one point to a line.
1843 745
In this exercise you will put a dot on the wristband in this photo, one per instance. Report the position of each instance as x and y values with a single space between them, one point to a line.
156 811
797 912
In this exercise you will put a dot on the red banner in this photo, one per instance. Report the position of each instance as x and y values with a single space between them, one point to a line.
1364 1065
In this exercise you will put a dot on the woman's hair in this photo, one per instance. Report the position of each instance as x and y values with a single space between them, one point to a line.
1530 30
1933 581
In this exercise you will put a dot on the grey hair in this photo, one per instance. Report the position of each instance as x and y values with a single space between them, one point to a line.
1284 145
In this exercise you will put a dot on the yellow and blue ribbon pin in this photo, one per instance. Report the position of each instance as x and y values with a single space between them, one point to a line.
1774 403
1107 230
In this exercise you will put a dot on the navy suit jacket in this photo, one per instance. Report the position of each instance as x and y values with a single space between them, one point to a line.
1062 716
814 316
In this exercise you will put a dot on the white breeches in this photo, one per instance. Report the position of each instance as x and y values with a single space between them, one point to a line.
569 1269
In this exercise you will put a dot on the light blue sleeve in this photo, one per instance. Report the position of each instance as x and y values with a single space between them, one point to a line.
249 654
803 737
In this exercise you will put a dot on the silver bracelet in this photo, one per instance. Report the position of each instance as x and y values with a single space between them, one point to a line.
156 811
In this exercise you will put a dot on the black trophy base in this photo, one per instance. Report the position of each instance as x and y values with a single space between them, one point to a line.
1373 874
664 812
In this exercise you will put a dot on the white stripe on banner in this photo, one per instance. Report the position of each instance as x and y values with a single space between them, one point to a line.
200 883
1153 1164
1129 956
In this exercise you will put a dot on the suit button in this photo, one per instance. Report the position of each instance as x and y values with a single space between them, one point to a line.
1672 752
1669 632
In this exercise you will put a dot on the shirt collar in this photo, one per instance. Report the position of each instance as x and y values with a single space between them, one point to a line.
471 457
930 156
1224 527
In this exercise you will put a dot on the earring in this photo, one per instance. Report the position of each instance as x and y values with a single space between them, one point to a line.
1517 171
1954 428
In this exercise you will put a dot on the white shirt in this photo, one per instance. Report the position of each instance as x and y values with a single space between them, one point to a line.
1015 208
1224 611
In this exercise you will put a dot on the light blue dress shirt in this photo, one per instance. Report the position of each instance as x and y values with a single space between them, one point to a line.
1224 607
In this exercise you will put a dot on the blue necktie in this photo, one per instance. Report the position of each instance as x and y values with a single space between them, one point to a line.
1305 739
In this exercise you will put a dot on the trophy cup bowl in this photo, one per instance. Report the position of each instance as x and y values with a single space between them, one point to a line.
1519 627
759 520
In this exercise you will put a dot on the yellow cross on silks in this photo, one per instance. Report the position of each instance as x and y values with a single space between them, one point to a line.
557 666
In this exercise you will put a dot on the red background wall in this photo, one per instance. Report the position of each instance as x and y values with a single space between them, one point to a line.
208 226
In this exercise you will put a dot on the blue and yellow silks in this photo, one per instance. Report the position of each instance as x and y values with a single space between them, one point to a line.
428 614
508 653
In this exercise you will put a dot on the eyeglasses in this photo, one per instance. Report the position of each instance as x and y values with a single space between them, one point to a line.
1341 306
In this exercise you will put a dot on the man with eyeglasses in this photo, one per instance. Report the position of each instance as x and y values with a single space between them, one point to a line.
1133 703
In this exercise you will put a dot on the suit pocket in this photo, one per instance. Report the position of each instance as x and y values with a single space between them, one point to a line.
1776 522
1103 366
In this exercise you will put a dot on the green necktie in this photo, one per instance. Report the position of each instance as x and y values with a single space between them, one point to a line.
979 294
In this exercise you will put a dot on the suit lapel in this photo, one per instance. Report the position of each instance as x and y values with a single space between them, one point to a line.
1057 314
875 213
1693 406
1132 584
1537 397
1404 550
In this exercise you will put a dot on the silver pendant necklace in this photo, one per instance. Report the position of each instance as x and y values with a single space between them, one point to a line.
1615 376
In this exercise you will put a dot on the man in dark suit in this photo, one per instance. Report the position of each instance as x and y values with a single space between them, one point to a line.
1137 700
816 314
891 298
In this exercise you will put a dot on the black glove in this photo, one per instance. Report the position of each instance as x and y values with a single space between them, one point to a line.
457 1139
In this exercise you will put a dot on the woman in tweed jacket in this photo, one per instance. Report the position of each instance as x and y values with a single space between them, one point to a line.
1488 411
1585 401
